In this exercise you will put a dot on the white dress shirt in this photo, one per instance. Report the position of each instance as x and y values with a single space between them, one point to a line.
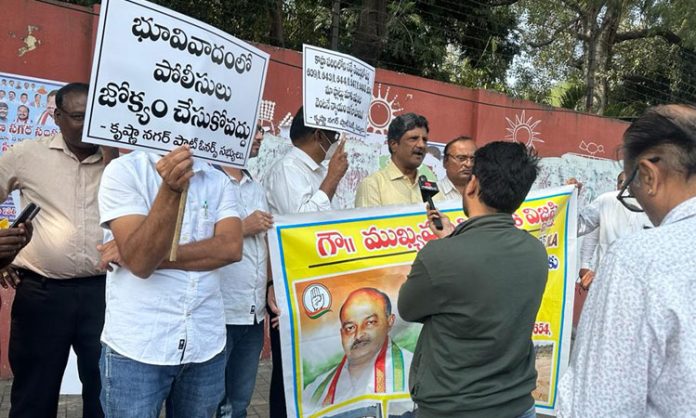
448 191
589 249
292 185
244 282
174 316
613 220
635 351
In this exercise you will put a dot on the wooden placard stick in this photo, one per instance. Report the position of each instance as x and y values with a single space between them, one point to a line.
179 222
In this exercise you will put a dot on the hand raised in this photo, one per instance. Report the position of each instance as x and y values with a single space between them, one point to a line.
176 168
447 226
338 164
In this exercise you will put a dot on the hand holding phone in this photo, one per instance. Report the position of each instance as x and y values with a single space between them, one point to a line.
27 214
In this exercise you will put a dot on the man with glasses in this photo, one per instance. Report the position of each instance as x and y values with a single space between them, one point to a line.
60 299
300 183
396 184
635 351
458 163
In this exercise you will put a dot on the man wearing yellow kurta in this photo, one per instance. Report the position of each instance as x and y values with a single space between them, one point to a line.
397 182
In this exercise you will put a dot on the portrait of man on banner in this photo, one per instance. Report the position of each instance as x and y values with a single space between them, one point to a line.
370 361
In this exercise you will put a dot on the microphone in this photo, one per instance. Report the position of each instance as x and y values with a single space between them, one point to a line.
429 189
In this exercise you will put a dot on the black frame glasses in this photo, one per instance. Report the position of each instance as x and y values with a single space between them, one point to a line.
625 196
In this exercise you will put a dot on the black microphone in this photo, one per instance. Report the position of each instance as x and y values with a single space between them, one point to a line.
429 189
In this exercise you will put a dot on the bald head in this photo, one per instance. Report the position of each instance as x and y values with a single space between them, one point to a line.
366 320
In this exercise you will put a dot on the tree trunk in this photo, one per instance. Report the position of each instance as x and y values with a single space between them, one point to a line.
371 31
335 22
276 33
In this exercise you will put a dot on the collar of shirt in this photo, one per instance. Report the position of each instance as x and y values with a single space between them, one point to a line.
447 186
305 158
58 142
685 209
394 173
483 221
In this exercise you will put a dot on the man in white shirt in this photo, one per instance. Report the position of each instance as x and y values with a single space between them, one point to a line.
164 332
295 184
458 163
244 292
635 351
604 221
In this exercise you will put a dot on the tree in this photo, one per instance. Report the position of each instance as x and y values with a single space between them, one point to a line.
596 42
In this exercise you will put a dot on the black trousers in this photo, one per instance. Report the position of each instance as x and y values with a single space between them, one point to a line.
276 397
49 316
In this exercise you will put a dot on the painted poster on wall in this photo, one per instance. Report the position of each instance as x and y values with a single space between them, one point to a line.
337 90
331 268
26 112
181 82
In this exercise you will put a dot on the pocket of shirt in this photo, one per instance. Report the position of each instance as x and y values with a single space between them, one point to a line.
206 224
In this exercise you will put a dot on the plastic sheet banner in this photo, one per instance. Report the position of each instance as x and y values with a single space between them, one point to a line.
346 351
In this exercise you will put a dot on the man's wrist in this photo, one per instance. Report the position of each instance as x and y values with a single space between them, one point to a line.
269 284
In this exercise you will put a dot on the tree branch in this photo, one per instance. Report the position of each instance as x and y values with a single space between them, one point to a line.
553 36
495 3
663 33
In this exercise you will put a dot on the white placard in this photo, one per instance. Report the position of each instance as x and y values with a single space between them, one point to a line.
161 79
337 90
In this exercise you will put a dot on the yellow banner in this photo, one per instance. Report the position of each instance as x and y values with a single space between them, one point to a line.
346 351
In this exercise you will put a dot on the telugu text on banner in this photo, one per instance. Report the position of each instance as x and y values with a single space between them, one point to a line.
322 260
180 82
337 90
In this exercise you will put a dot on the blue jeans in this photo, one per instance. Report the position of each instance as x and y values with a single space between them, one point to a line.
131 389
244 344
530 413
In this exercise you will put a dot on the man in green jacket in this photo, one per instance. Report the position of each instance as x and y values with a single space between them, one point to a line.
477 292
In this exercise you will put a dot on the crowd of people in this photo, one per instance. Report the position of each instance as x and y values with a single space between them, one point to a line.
183 327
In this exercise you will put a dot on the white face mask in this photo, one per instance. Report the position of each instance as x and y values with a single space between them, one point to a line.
331 151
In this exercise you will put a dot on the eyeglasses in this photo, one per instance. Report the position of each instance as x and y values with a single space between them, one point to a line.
461 159
77 117
330 136
625 196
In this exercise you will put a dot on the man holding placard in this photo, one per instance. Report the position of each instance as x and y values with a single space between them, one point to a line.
300 183
164 333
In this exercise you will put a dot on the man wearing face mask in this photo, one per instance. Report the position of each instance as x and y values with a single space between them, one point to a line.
295 184
396 184
299 182
635 345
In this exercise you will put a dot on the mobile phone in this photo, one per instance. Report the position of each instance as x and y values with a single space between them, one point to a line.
27 214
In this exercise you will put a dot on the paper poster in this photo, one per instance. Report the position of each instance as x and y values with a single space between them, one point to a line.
329 266
161 79
26 112
337 90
